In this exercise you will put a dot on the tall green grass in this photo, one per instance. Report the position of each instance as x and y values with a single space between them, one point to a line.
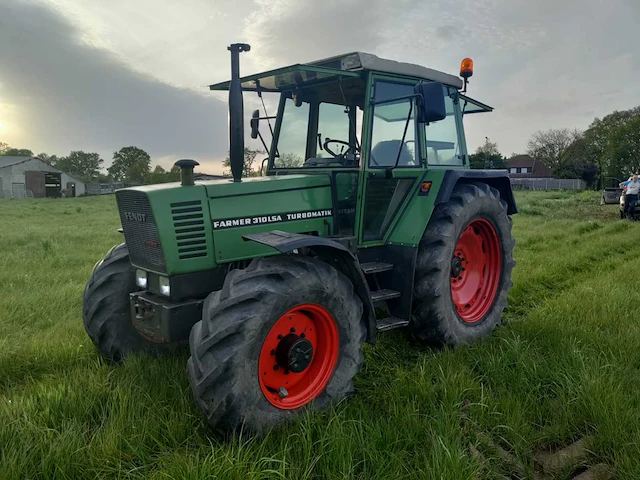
566 363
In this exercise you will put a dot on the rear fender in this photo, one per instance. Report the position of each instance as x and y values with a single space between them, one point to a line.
339 253
498 179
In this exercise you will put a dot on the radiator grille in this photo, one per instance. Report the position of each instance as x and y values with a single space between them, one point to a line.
140 232
188 223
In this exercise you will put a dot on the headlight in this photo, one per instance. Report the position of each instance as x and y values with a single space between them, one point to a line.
141 278
165 289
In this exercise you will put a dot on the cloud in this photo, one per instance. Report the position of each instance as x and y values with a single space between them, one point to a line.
99 75
61 93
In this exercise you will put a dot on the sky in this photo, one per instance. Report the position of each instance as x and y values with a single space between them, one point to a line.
97 76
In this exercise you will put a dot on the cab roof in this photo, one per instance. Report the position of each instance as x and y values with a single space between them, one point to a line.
329 69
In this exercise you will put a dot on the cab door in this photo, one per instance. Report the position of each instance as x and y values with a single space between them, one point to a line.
393 164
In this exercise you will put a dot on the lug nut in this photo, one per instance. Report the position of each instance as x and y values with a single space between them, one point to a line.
302 335
273 352
276 367
280 337
292 329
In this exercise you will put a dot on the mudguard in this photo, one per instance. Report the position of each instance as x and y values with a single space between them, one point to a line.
498 179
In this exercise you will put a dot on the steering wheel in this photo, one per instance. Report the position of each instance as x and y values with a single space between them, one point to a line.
341 142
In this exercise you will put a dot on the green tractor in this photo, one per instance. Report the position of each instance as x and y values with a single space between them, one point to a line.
367 218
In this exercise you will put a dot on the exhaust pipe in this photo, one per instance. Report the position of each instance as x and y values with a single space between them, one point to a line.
186 166
236 113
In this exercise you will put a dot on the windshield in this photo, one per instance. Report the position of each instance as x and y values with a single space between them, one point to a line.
322 130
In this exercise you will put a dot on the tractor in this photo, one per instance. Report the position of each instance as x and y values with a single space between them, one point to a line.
366 218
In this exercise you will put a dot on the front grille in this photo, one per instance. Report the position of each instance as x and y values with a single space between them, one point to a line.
188 223
140 230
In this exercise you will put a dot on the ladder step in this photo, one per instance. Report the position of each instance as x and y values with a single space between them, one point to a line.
384 294
390 323
376 267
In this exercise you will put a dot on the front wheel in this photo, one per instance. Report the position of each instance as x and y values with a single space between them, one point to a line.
463 270
106 310
282 334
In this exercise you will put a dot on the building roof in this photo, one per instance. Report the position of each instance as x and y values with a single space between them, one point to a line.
521 161
6 161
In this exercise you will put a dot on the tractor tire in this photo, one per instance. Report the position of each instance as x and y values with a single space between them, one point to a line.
106 311
463 268
240 368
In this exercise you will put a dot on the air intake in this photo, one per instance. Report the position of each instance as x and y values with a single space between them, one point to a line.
188 223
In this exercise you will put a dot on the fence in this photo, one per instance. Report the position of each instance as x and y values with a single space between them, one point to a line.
548 184
105 188
16 193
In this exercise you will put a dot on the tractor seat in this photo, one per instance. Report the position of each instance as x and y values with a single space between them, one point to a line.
384 154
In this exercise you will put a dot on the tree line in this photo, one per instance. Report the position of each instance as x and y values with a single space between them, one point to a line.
609 147
130 165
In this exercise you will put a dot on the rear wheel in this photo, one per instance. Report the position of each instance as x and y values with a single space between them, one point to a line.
106 311
282 334
463 271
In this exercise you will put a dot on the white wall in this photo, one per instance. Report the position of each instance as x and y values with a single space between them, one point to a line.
5 180
79 185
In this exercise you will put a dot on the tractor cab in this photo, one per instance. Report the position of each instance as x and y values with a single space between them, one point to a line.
326 112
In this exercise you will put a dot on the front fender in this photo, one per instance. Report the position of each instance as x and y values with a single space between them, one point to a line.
498 179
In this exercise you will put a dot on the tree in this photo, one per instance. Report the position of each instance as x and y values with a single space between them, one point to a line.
623 148
158 175
50 159
289 160
550 147
248 160
487 156
83 165
601 141
132 164
18 152
3 147
174 174
577 164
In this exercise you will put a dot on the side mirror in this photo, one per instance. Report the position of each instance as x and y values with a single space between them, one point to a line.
255 122
431 106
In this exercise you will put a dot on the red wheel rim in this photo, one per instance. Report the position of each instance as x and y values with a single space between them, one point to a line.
475 270
313 326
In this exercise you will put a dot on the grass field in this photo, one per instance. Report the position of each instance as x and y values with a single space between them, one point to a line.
566 364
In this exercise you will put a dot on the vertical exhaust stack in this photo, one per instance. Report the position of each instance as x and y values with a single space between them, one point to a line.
236 113
186 166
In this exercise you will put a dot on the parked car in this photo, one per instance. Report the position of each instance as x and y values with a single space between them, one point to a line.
611 192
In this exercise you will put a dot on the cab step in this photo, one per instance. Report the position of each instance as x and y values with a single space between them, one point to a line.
375 267
383 295
390 323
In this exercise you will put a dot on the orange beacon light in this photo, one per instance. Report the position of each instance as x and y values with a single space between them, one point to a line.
466 70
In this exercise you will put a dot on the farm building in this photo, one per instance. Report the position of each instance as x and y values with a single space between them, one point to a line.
32 177
525 166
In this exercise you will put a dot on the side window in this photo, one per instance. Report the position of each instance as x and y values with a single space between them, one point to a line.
443 147
292 142
393 131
